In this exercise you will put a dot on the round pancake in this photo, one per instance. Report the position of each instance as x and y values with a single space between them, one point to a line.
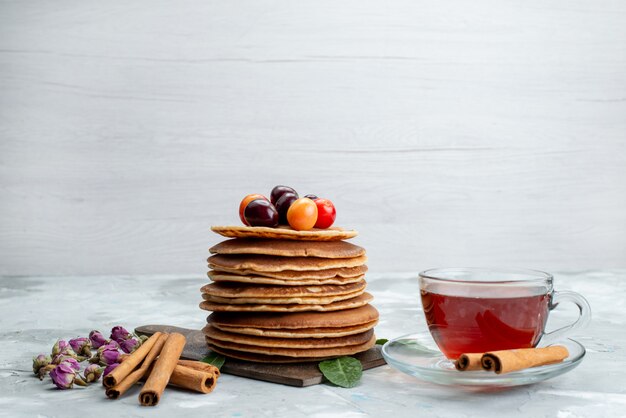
344 272
360 300
236 290
300 333
288 248
298 320
284 232
295 352
299 343
220 277
276 263
313 300
263 358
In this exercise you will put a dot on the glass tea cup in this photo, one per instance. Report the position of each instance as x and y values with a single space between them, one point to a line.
475 310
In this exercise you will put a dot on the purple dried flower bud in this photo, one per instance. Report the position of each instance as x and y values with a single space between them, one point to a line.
119 334
92 373
110 368
109 356
130 345
97 339
59 347
40 361
72 362
77 343
81 345
110 345
63 376
63 350
66 353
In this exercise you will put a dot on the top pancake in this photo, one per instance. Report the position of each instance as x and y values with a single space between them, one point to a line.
284 232
277 263
288 248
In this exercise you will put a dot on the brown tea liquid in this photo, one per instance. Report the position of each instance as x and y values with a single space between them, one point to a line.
484 324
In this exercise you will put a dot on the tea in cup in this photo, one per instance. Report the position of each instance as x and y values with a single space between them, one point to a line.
472 310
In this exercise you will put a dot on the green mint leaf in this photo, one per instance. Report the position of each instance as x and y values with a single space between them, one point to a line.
215 359
381 341
343 371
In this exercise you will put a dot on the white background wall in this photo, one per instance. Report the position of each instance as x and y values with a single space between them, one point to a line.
447 132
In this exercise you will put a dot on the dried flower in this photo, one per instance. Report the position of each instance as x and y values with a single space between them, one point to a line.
108 369
64 363
97 339
72 362
61 346
119 334
130 345
81 346
40 361
63 375
112 345
92 373
109 356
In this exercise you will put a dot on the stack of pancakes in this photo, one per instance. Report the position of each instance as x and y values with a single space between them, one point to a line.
289 298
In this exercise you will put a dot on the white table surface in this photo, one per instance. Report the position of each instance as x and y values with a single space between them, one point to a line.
35 311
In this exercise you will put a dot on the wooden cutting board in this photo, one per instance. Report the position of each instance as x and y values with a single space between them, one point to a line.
302 374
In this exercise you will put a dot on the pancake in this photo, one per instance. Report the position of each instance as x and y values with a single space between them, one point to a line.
313 300
344 272
238 290
263 358
284 232
360 300
281 321
298 343
276 263
288 248
219 277
294 352
300 333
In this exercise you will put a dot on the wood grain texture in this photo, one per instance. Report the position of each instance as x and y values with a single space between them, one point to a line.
447 133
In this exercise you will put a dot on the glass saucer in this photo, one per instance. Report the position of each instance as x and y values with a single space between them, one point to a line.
417 355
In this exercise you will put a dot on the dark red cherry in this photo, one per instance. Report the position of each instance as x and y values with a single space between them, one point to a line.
260 212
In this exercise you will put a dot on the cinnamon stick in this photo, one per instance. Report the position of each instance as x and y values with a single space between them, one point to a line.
200 365
469 362
130 363
506 361
162 370
193 379
188 374
118 390
201 380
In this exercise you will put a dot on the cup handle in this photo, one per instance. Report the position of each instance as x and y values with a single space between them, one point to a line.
582 321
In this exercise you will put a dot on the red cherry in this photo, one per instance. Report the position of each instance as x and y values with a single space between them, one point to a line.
326 213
